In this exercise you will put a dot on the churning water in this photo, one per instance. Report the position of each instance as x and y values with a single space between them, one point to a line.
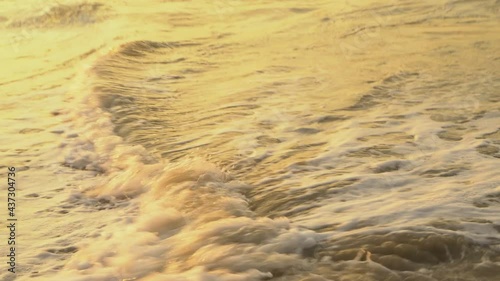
253 140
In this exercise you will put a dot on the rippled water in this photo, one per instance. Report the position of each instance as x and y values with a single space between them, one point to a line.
253 140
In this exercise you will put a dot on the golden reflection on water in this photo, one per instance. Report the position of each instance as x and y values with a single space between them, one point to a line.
322 127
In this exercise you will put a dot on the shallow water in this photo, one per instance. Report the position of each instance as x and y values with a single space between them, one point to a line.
237 140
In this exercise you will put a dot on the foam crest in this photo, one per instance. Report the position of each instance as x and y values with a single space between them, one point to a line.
185 217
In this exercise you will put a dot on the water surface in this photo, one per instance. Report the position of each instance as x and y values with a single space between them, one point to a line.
254 140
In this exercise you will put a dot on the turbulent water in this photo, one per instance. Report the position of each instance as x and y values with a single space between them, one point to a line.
253 140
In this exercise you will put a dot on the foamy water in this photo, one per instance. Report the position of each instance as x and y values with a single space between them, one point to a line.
237 140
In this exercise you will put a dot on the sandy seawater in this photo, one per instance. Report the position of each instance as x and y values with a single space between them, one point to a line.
236 140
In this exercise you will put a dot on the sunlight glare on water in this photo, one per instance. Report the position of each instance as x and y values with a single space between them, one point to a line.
253 140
